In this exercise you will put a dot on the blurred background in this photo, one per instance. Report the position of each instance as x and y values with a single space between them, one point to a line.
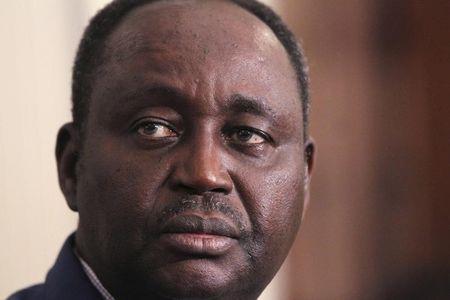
379 221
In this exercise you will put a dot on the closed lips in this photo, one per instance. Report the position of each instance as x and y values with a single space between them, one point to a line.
195 224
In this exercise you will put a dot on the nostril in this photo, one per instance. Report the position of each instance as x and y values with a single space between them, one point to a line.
198 191
187 189
219 190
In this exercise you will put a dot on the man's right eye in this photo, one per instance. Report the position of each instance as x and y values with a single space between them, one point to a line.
155 130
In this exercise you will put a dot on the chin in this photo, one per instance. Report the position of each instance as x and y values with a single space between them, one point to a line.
195 278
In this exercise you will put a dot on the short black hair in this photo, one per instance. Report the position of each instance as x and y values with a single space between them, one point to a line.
90 52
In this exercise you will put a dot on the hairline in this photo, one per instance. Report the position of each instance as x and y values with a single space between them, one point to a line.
97 59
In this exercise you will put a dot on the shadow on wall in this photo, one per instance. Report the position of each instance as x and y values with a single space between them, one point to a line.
421 285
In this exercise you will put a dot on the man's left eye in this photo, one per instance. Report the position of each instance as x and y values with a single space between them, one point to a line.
247 136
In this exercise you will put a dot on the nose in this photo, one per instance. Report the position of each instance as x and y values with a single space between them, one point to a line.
201 169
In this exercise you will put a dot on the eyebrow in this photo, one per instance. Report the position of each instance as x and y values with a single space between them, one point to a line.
161 89
239 103
236 104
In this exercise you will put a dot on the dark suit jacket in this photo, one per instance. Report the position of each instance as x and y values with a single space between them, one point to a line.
66 280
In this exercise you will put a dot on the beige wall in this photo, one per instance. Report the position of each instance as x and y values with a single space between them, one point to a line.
39 38
37 49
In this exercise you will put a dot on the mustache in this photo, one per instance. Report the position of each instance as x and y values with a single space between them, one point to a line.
206 203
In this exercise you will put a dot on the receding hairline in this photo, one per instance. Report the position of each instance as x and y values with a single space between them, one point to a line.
132 40
105 22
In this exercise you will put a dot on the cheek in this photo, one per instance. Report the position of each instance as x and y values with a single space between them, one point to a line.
117 191
281 203
274 200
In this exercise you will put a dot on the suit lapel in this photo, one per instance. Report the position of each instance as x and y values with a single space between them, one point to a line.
67 279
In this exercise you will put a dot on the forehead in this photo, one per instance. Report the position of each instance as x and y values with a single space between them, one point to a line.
211 44
220 24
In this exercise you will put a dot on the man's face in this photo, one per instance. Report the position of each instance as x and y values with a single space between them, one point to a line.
191 178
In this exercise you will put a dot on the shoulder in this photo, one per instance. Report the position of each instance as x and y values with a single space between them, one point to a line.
35 292
66 280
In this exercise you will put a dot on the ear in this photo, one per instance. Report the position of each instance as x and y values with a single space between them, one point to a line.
309 152
67 157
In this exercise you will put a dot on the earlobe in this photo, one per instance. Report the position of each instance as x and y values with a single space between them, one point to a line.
67 157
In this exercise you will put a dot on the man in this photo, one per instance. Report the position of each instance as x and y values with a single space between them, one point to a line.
188 158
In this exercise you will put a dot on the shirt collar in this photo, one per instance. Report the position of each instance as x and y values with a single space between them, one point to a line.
93 278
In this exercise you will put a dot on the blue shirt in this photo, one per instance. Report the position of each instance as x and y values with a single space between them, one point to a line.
67 280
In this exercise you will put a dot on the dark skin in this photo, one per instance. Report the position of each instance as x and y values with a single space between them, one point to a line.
191 178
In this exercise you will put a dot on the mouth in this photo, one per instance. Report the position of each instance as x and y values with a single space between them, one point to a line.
199 236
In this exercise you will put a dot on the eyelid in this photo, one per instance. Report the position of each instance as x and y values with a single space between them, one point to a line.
261 133
154 120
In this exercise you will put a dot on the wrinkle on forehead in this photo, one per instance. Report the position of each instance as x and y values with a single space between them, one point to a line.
208 49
